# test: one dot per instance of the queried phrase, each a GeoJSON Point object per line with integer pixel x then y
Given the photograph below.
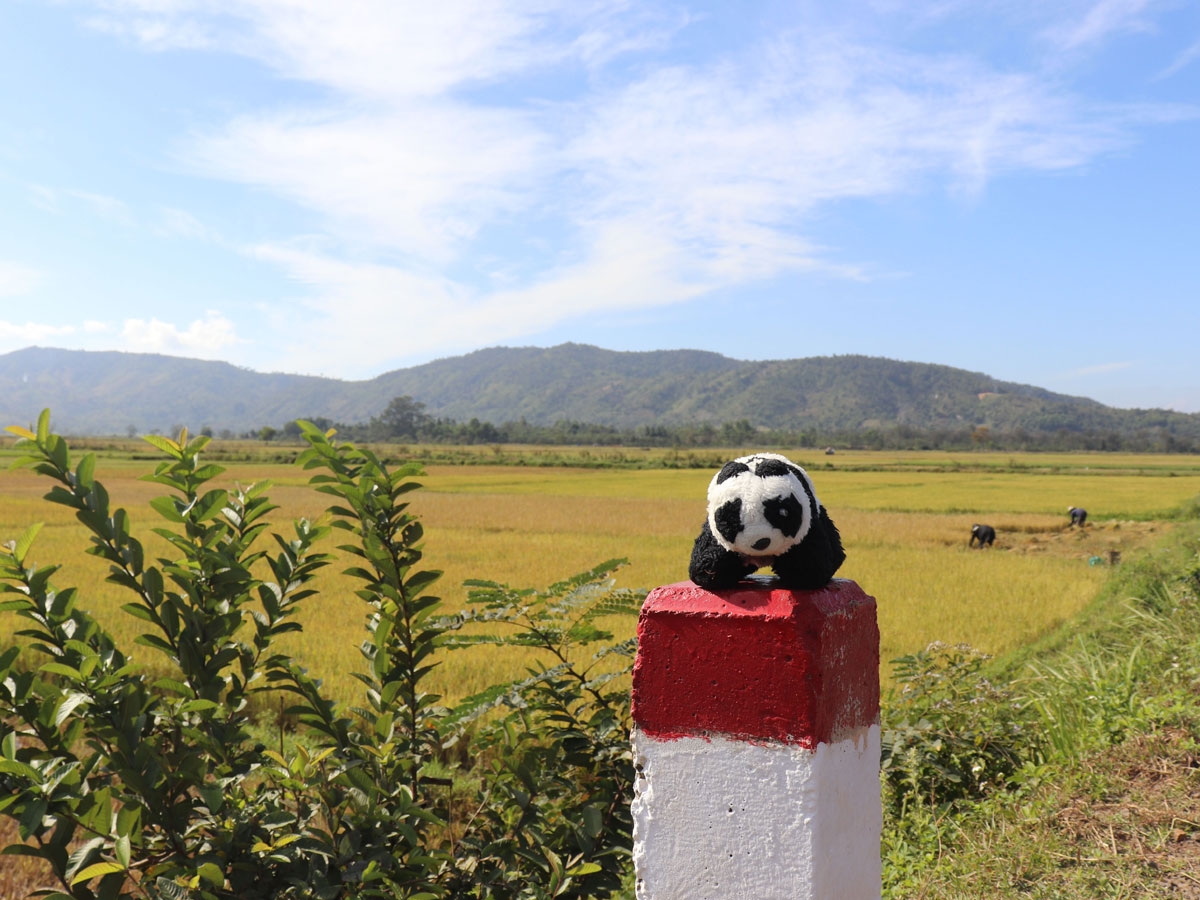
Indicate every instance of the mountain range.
{"type": "Point", "coordinates": [102, 393]}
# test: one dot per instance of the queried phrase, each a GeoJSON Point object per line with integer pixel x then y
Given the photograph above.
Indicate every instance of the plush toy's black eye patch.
{"type": "Point", "coordinates": [730, 469]}
{"type": "Point", "coordinates": [768, 467]}
{"type": "Point", "coordinates": [728, 519]}
{"type": "Point", "coordinates": [785, 513]}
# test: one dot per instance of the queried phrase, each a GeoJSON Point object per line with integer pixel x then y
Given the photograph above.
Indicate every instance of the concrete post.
{"type": "Point", "coordinates": [756, 741]}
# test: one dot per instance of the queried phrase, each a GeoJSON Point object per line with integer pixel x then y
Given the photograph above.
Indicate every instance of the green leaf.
{"type": "Point", "coordinates": [13, 767]}
{"type": "Point", "coordinates": [204, 473]}
{"type": "Point", "coordinates": [209, 505]}
{"type": "Point", "coordinates": [198, 706]}
{"type": "Point", "coordinates": [211, 873]}
{"type": "Point", "coordinates": [166, 445]}
{"type": "Point", "coordinates": [139, 612]}
{"type": "Point", "coordinates": [122, 850]}
{"type": "Point", "coordinates": [593, 823]}
{"type": "Point", "coordinates": [585, 868]}
{"type": "Point", "coordinates": [95, 870]}
{"type": "Point", "coordinates": [43, 426]}
{"type": "Point", "coordinates": [58, 452]}
{"type": "Point", "coordinates": [69, 703]}
{"type": "Point", "coordinates": [25, 541]}
{"type": "Point", "coordinates": [85, 472]}
{"type": "Point", "coordinates": [167, 507]}
{"type": "Point", "coordinates": [55, 668]}
{"type": "Point", "coordinates": [153, 640]}
{"type": "Point", "coordinates": [30, 820]}
{"type": "Point", "coordinates": [23, 850]}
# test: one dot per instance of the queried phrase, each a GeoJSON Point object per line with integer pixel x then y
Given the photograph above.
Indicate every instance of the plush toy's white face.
{"type": "Point", "coordinates": [761, 505]}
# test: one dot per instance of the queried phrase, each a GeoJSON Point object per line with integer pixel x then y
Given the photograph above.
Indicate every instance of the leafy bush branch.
{"type": "Point", "coordinates": [131, 780]}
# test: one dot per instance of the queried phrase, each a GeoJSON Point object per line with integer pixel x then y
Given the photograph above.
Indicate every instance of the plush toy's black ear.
{"type": "Point", "coordinates": [712, 566]}
{"type": "Point", "coordinates": [811, 563]}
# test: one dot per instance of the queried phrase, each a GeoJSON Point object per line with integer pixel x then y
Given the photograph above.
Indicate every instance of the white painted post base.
{"type": "Point", "coordinates": [756, 741]}
{"type": "Point", "coordinates": [719, 819]}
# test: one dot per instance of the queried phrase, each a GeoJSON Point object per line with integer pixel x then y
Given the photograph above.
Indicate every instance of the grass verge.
{"type": "Point", "coordinates": [1070, 770]}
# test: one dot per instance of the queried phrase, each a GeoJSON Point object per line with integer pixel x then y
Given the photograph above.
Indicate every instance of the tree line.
{"type": "Point", "coordinates": [405, 420]}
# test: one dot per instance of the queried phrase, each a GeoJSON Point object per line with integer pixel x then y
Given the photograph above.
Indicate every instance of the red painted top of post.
{"type": "Point", "coordinates": [757, 662]}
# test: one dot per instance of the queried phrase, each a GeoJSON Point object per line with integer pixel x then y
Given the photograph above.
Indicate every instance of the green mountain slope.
{"type": "Point", "coordinates": [108, 393]}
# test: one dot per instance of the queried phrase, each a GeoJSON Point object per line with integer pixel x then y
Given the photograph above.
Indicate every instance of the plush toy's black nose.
{"type": "Point", "coordinates": [761, 544]}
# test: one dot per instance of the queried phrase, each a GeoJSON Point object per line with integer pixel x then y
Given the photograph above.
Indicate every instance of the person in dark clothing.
{"type": "Point", "coordinates": [1078, 516]}
{"type": "Point", "coordinates": [985, 534]}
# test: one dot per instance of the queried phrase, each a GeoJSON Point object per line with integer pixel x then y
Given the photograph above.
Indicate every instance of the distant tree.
{"type": "Point", "coordinates": [206, 431]}
{"type": "Point", "coordinates": [267, 434]}
{"type": "Point", "coordinates": [131, 430]}
{"type": "Point", "coordinates": [402, 418]}
{"type": "Point", "coordinates": [476, 432]}
{"type": "Point", "coordinates": [737, 433]}
{"type": "Point", "coordinates": [292, 431]}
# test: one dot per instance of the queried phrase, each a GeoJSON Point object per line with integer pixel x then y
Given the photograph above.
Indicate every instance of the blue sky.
{"type": "Point", "coordinates": [1007, 186]}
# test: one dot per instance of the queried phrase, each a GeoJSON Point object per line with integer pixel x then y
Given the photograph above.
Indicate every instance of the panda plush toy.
{"type": "Point", "coordinates": [763, 511]}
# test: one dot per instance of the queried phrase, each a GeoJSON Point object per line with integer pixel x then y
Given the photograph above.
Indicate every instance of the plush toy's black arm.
{"type": "Point", "coordinates": [811, 563]}
{"type": "Point", "coordinates": [712, 566]}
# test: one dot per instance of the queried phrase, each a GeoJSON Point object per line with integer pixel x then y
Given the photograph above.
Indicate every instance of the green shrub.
{"type": "Point", "coordinates": [131, 784]}
{"type": "Point", "coordinates": [949, 732]}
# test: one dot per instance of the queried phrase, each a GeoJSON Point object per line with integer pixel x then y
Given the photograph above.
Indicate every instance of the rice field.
{"type": "Point", "coordinates": [904, 517]}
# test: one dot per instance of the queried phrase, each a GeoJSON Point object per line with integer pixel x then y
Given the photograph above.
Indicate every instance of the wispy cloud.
{"type": "Point", "coordinates": [17, 279]}
{"type": "Point", "coordinates": [448, 135]}
{"type": "Point", "coordinates": [1101, 369]}
{"type": "Point", "coordinates": [179, 223]}
{"type": "Point", "coordinates": [67, 200]}
{"type": "Point", "coordinates": [1100, 21]}
{"type": "Point", "coordinates": [1181, 62]}
{"type": "Point", "coordinates": [372, 313]}
{"type": "Point", "coordinates": [365, 48]}
{"type": "Point", "coordinates": [421, 178]}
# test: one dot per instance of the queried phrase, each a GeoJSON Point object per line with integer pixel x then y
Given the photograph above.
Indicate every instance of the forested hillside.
{"type": "Point", "coordinates": [118, 393]}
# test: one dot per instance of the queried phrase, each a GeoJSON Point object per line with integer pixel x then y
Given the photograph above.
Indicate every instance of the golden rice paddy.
{"type": "Point", "coordinates": [904, 519]}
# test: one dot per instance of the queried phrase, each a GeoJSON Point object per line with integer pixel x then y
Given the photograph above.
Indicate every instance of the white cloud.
{"type": "Point", "coordinates": [17, 279]}
{"type": "Point", "coordinates": [16, 334]}
{"type": "Point", "coordinates": [749, 151]}
{"type": "Point", "coordinates": [367, 48]}
{"type": "Point", "coordinates": [419, 179]}
{"type": "Point", "coordinates": [372, 315]}
{"type": "Point", "coordinates": [1101, 20]}
{"type": "Point", "coordinates": [202, 338]}
{"type": "Point", "coordinates": [730, 156]}
{"type": "Point", "coordinates": [63, 200]}
{"type": "Point", "coordinates": [179, 223]}
{"type": "Point", "coordinates": [447, 130]}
